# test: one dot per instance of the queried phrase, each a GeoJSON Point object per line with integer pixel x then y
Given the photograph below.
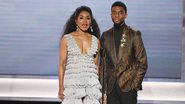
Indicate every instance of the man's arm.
{"type": "Point", "coordinates": [141, 59]}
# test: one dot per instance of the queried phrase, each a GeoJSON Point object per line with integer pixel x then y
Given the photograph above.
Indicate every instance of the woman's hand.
{"type": "Point", "coordinates": [60, 94]}
{"type": "Point", "coordinates": [104, 99]}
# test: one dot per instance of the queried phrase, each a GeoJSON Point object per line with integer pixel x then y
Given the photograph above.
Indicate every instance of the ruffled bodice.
{"type": "Point", "coordinates": [81, 78]}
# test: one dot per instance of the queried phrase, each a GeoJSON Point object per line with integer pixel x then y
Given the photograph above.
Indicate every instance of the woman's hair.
{"type": "Point", "coordinates": [71, 26]}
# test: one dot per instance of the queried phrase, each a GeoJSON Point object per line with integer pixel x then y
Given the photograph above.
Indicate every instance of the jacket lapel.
{"type": "Point", "coordinates": [113, 48]}
{"type": "Point", "coordinates": [122, 46]}
{"type": "Point", "coordinates": [122, 49]}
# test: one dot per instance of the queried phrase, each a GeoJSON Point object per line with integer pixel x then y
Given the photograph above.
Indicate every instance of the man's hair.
{"type": "Point", "coordinates": [121, 4]}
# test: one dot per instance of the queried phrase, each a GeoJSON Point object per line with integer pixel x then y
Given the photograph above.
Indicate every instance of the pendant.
{"type": "Point", "coordinates": [122, 45]}
{"type": "Point", "coordinates": [123, 40]}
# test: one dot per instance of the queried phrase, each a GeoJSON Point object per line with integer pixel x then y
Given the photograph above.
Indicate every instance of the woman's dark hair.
{"type": "Point", "coordinates": [71, 26]}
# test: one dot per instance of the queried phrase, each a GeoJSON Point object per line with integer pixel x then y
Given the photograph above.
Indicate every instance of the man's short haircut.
{"type": "Point", "coordinates": [121, 4]}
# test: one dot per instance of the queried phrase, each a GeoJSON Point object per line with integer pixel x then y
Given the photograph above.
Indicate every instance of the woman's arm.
{"type": "Point", "coordinates": [61, 67]}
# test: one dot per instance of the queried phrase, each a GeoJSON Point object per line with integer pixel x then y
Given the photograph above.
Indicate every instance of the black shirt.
{"type": "Point", "coordinates": [117, 32]}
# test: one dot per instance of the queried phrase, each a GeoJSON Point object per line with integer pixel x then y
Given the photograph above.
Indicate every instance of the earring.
{"type": "Point", "coordinates": [91, 29]}
{"type": "Point", "coordinates": [76, 27]}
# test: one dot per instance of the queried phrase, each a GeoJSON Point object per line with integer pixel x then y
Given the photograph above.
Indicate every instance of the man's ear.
{"type": "Point", "coordinates": [126, 15]}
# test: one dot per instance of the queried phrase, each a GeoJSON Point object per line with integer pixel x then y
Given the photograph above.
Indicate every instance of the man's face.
{"type": "Point", "coordinates": [118, 14]}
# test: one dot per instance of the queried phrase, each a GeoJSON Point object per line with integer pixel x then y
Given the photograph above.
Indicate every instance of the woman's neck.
{"type": "Point", "coordinates": [82, 33]}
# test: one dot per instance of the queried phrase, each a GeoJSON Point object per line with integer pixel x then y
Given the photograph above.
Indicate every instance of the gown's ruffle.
{"type": "Point", "coordinates": [84, 85]}
{"type": "Point", "coordinates": [86, 100]}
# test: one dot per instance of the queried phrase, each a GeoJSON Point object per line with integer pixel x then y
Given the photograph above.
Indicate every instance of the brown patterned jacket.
{"type": "Point", "coordinates": [128, 68]}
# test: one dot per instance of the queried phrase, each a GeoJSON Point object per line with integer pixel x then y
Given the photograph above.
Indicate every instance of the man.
{"type": "Point", "coordinates": [123, 59]}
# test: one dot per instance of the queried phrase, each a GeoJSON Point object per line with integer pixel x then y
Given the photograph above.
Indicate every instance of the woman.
{"type": "Point", "coordinates": [78, 64]}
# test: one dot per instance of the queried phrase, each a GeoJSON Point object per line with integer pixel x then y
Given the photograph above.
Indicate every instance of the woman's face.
{"type": "Point", "coordinates": [83, 21]}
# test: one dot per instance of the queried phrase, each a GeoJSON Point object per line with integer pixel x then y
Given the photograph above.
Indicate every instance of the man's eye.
{"type": "Point", "coordinates": [114, 13]}
{"type": "Point", "coordinates": [120, 12]}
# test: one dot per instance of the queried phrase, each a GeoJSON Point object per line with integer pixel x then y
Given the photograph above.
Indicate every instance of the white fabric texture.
{"type": "Point", "coordinates": [81, 84]}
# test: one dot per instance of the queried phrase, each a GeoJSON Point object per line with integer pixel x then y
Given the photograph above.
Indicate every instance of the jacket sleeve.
{"type": "Point", "coordinates": [102, 71]}
{"type": "Point", "coordinates": [141, 59]}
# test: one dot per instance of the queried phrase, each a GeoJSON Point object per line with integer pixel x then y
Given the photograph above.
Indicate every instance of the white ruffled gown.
{"type": "Point", "coordinates": [81, 84]}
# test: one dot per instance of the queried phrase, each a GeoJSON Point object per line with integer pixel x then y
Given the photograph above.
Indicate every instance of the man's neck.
{"type": "Point", "coordinates": [118, 26]}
